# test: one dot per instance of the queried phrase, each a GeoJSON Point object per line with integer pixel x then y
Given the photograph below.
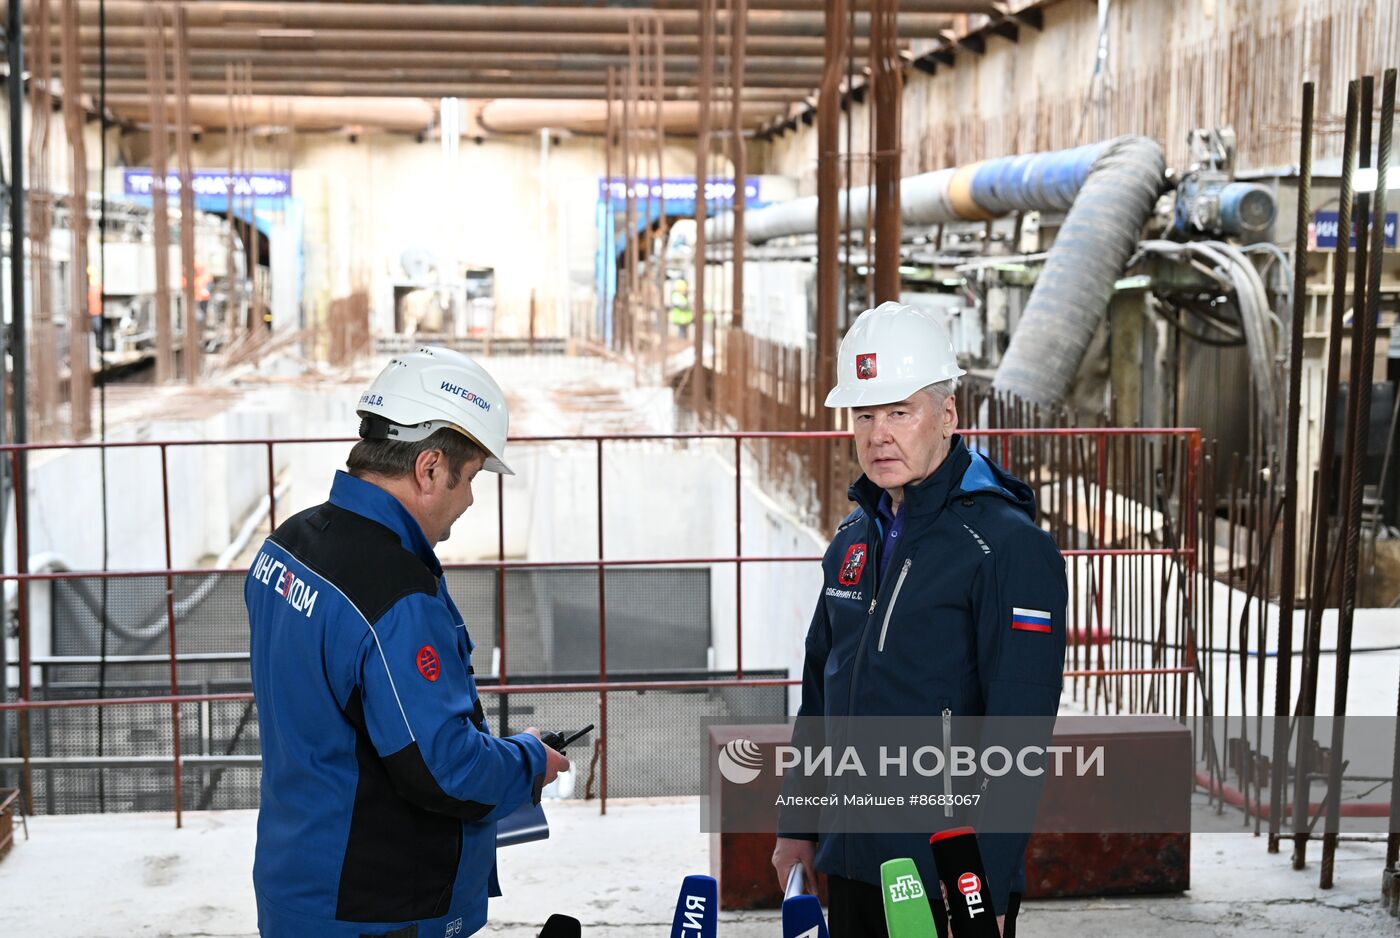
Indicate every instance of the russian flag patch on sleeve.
{"type": "Point", "coordinates": [1030, 620]}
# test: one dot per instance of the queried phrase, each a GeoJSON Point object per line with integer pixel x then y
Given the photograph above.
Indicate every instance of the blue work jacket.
{"type": "Point", "coordinates": [381, 781]}
{"type": "Point", "coordinates": [944, 633]}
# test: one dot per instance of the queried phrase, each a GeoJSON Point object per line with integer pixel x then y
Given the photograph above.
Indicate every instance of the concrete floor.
{"type": "Point", "coordinates": [123, 876]}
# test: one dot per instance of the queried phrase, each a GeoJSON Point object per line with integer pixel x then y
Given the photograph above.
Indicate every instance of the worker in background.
{"type": "Point", "coordinates": [926, 585]}
{"type": "Point", "coordinates": [203, 281]}
{"type": "Point", "coordinates": [94, 294]}
{"type": "Point", "coordinates": [381, 781]}
{"type": "Point", "coordinates": [682, 314]}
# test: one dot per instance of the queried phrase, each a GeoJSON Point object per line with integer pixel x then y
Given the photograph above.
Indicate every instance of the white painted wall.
{"type": "Point", "coordinates": [666, 500]}
{"type": "Point", "coordinates": [211, 490]}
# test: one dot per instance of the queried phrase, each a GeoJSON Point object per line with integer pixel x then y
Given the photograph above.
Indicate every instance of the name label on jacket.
{"type": "Point", "coordinates": [285, 583]}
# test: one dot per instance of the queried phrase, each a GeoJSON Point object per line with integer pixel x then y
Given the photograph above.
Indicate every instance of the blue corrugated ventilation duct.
{"type": "Point", "coordinates": [1108, 190]}
{"type": "Point", "coordinates": [1072, 292]}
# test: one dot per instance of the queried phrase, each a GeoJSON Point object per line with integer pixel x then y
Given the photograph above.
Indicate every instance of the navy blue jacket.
{"type": "Point", "coordinates": [381, 783]}
{"type": "Point", "coordinates": [935, 637]}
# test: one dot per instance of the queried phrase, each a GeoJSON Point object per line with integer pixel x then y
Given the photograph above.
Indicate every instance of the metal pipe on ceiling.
{"type": "Point", "coordinates": [497, 115]}
{"type": "Point", "coordinates": [210, 110]}
{"type": "Point", "coordinates": [218, 58]}
{"type": "Point", "coordinates": [910, 6]}
{"type": "Point", "coordinates": [384, 17]}
{"type": "Point", "coordinates": [356, 40]}
{"type": "Point", "coordinates": [861, 6]}
{"type": "Point", "coordinates": [453, 77]}
{"type": "Point", "coordinates": [335, 89]}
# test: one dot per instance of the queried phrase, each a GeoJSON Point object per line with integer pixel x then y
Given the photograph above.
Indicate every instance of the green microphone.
{"type": "Point", "coordinates": [907, 910]}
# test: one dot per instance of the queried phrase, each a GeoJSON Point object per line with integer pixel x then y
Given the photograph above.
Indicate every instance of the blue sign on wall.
{"type": "Point", "coordinates": [677, 191]}
{"type": "Point", "coordinates": [1325, 230]}
{"type": "Point", "coordinates": [212, 184]}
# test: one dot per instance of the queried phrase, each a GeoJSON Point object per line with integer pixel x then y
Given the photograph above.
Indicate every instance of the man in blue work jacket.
{"type": "Point", "coordinates": [381, 782]}
{"type": "Point", "coordinates": [942, 597]}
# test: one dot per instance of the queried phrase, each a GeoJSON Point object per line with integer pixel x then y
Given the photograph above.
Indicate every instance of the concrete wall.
{"type": "Point", "coordinates": [508, 203]}
{"type": "Point", "coordinates": [1173, 65]}
{"type": "Point", "coordinates": [220, 483]}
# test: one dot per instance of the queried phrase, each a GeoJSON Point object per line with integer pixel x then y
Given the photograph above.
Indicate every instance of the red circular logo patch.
{"type": "Point", "coordinates": [969, 883]}
{"type": "Point", "coordinates": [428, 663]}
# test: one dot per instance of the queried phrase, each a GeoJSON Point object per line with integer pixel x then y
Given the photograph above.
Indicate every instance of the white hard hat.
{"type": "Point", "coordinates": [421, 392]}
{"type": "Point", "coordinates": [890, 352]}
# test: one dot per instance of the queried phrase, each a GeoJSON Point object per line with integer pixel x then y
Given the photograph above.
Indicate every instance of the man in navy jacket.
{"type": "Point", "coordinates": [942, 598]}
{"type": "Point", "coordinates": [381, 781]}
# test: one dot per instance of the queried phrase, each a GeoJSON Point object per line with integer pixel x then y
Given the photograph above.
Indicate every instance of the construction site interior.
{"type": "Point", "coordinates": [653, 222]}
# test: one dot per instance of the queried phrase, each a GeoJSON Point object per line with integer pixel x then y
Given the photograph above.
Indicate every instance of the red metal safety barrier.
{"type": "Point", "coordinates": [1185, 552]}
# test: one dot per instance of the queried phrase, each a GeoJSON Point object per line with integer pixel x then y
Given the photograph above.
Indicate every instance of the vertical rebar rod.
{"type": "Point", "coordinates": [738, 554]}
{"type": "Point", "coordinates": [1358, 425]}
{"type": "Point", "coordinates": [79, 320]}
{"type": "Point", "coordinates": [1321, 541]}
{"type": "Point", "coordinates": [646, 320]}
{"type": "Point", "coordinates": [1190, 656]}
{"type": "Point", "coordinates": [26, 687]}
{"type": "Point", "coordinates": [738, 37]}
{"type": "Point", "coordinates": [503, 670]}
{"type": "Point", "coordinates": [170, 630]}
{"type": "Point", "coordinates": [155, 74]}
{"type": "Point", "coordinates": [704, 92]}
{"type": "Point", "coordinates": [44, 346]}
{"type": "Point", "coordinates": [663, 326]}
{"type": "Point", "coordinates": [608, 313]}
{"type": "Point", "coordinates": [501, 580]}
{"type": "Point", "coordinates": [254, 234]}
{"type": "Point", "coordinates": [1361, 226]}
{"type": "Point", "coordinates": [1288, 579]}
{"type": "Point", "coordinates": [1393, 839]}
{"type": "Point", "coordinates": [828, 239]}
{"type": "Point", "coordinates": [602, 646]}
{"type": "Point", "coordinates": [244, 206]}
{"type": "Point", "coordinates": [629, 173]}
{"type": "Point", "coordinates": [230, 278]}
{"type": "Point", "coordinates": [193, 329]}
{"type": "Point", "coordinates": [887, 75]}
{"type": "Point", "coordinates": [17, 342]}
{"type": "Point", "coordinates": [14, 42]}
{"type": "Point", "coordinates": [1208, 518]}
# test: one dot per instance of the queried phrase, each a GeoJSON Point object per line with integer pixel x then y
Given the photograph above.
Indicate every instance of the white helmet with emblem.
{"type": "Point", "coordinates": [430, 388]}
{"type": "Point", "coordinates": [889, 353]}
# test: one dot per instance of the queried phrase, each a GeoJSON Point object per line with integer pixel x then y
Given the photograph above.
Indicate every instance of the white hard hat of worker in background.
{"type": "Point", "coordinates": [428, 389]}
{"type": "Point", "coordinates": [889, 353]}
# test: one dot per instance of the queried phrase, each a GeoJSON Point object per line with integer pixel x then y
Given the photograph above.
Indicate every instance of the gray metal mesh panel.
{"type": "Point", "coordinates": [658, 625]}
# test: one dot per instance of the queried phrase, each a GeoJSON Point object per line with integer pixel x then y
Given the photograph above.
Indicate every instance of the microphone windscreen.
{"type": "Point", "coordinates": [561, 926]}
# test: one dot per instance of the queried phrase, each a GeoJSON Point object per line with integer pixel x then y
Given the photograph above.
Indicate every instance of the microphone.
{"type": "Point", "coordinates": [802, 914]}
{"type": "Point", "coordinates": [697, 908]}
{"type": "Point", "coordinates": [908, 908]}
{"type": "Point", "coordinates": [560, 926]}
{"type": "Point", "coordinates": [959, 862]}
